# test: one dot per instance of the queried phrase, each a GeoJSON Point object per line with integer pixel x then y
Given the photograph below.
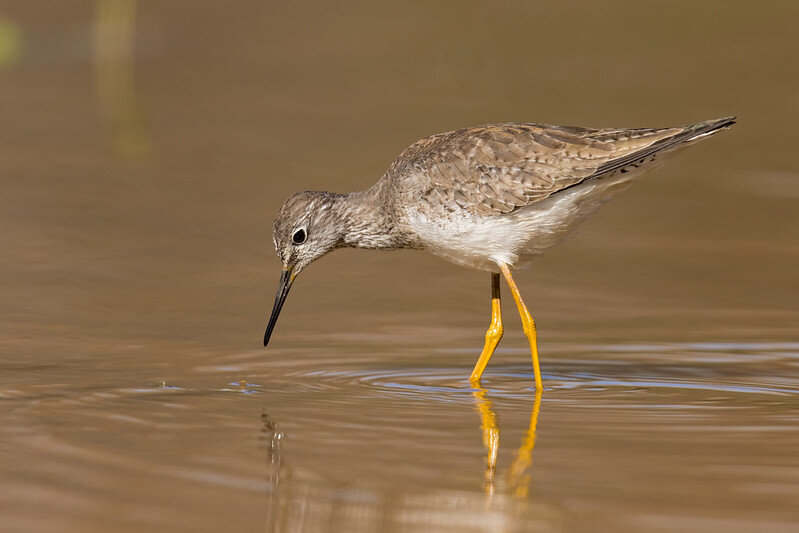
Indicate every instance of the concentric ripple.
{"type": "Point", "coordinates": [683, 372]}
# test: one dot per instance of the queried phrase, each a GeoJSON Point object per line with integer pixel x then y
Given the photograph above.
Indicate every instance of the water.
{"type": "Point", "coordinates": [140, 179]}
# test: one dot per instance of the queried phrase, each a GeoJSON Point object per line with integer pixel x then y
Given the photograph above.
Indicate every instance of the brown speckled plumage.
{"type": "Point", "coordinates": [497, 169]}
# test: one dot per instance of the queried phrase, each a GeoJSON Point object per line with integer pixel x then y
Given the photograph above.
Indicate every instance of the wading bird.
{"type": "Point", "coordinates": [490, 198]}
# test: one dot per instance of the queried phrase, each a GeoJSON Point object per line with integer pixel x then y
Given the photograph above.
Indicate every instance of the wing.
{"type": "Point", "coordinates": [500, 168]}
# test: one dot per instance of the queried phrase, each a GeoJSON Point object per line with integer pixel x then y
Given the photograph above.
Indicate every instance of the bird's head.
{"type": "Point", "coordinates": [306, 228]}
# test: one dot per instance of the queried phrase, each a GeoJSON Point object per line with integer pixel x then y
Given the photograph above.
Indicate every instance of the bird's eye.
{"type": "Point", "coordinates": [299, 236]}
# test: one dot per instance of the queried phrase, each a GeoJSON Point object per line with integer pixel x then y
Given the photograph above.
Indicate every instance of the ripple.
{"type": "Point", "coordinates": [448, 385]}
{"type": "Point", "coordinates": [688, 369]}
{"type": "Point", "coordinates": [675, 375]}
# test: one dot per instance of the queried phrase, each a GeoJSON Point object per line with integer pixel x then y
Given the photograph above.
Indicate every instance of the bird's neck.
{"type": "Point", "coordinates": [369, 219]}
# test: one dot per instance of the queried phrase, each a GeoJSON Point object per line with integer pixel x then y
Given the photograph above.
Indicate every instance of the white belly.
{"type": "Point", "coordinates": [481, 242]}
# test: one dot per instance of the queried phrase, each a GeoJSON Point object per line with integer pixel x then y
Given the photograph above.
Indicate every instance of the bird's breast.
{"type": "Point", "coordinates": [469, 240]}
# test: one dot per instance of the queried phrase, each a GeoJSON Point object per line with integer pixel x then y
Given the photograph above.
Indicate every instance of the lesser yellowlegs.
{"type": "Point", "coordinates": [490, 198]}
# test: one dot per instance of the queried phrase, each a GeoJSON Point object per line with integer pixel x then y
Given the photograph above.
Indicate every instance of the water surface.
{"type": "Point", "coordinates": [145, 148]}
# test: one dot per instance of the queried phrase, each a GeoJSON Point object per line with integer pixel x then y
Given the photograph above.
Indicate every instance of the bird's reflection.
{"type": "Point", "coordinates": [518, 477]}
{"type": "Point", "coordinates": [271, 439]}
{"type": "Point", "coordinates": [294, 504]}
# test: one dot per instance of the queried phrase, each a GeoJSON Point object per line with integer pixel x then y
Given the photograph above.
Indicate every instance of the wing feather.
{"type": "Point", "coordinates": [497, 169]}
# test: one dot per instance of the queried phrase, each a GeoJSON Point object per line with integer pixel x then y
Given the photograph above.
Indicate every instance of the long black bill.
{"type": "Point", "coordinates": [286, 279]}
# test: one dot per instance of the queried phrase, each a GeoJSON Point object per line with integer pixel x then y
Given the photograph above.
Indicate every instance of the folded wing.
{"type": "Point", "coordinates": [497, 169]}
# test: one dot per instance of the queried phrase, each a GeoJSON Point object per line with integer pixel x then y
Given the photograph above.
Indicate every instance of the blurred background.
{"type": "Point", "coordinates": [145, 148]}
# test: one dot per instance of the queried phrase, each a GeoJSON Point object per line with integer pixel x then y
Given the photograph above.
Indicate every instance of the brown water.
{"type": "Point", "coordinates": [145, 148]}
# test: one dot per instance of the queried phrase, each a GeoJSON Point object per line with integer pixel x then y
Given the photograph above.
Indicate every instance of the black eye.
{"type": "Point", "coordinates": [299, 236]}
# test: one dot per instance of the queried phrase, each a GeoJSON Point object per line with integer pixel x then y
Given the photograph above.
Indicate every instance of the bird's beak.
{"type": "Point", "coordinates": [286, 279]}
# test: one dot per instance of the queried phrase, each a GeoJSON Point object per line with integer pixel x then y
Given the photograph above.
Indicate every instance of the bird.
{"type": "Point", "coordinates": [490, 197]}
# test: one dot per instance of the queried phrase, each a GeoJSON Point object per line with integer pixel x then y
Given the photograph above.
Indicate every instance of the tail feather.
{"type": "Point", "coordinates": [686, 135]}
{"type": "Point", "coordinates": [709, 127]}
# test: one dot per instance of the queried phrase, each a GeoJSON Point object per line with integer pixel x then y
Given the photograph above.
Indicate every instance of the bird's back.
{"type": "Point", "coordinates": [493, 185]}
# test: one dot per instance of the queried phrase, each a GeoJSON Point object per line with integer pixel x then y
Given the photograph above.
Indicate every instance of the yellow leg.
{"type": "Point", "coordinates": [494, 333]}
{"type": "Point", "coordinates": [527, 323]}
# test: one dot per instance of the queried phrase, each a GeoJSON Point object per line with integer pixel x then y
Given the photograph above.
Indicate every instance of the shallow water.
{"type": "Point", "coordinates": [140, 179]}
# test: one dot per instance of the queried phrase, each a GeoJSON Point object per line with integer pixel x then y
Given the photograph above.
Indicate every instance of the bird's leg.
{"type": "Point", "coordinates": [494, 333]}
{"type": "Point", "coordinates": [527, 323]}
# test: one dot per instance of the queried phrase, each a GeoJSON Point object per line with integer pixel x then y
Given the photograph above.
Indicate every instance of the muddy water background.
{"type": "Point", "coordinates": [144, 149]}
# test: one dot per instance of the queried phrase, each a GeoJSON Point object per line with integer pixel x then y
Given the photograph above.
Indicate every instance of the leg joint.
{"type": "Point", "coordinates": [495, 331]}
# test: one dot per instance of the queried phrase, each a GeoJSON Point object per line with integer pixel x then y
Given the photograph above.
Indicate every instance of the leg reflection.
{"type": "Point", "coordinates": [490, 430]}
{"type": "Point", "coordinates": [518, 477]}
